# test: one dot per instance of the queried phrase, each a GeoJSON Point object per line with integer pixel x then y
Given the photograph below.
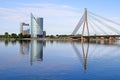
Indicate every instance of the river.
{"type": "Point", "coordinates": [59, 60]}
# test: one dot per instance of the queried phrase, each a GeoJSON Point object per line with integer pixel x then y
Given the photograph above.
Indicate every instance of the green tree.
{"type": "Point", "coordinates": [20, 35]}
{"type": "Point", "coordinates": [1, 36]}
{"type": "Point", "coordinates": [6, 35]}
{"type": "Point", "coordinates": [6, 42]}
{"type": "Point", "coordinates": [51, 36]}
{"type": "Point", "coordinates": [26, 36]}
{"type": "Point", "coordinates": [13, 35]}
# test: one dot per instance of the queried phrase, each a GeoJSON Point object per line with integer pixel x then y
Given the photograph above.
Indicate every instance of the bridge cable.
{"type": "Point", "coordinates": [106, 25]}
{"type": "Point", "coordinates": [91, 25]}
{"type": "Point", "coordinates": [110, 27]}
{"type": "Point", "coordinates": [97, 27]}
{"type": "Point", "coordinates": [104, 18]}
{"type": "Point", "coordinates": [78, 25]}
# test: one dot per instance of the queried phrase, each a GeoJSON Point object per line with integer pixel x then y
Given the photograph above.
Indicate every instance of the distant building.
{"type": "Point", "coordinates": [44, 34]}
{"type": "Point", "coordinates": [26, 31]}
{"type": "Point", "coordinates": [21, 27]}
{"type": "Point", "coordinates": [36, 27]}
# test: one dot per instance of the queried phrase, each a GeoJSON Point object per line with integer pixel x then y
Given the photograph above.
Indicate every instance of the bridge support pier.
{"type": "Point", "coordinates": [83, 39]}
{"type": "Point", "coordinates": [102, 38]}
{"type": "Point", "coordinates": [111, 38]}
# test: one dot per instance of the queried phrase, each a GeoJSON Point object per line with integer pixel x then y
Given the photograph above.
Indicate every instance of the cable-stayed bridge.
{"type": "Point", "coordinates": [94, 26]}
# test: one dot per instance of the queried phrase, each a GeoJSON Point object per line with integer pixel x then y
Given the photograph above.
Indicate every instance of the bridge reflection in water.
{"type": "Point", "coordinates": [83, 56]}
{"type": "Point", "coordinates": [86, 51]}
{"type": "Point", "coordinates": [83, 50]}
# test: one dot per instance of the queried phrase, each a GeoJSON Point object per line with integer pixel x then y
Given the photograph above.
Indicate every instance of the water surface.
{"type": "Point", "coordinates": [59, 60]}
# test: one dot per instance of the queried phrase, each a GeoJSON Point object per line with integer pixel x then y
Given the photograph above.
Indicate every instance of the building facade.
{"type": "Point", "coordinates": [36, 27]}
{"type": "Point", "coordinates": [22, 27]}
{"type": "Point", "coordinates": [25, 32]}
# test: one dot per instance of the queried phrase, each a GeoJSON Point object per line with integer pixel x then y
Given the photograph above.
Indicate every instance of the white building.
{"type": "Point", "coordinates": [36, 27]}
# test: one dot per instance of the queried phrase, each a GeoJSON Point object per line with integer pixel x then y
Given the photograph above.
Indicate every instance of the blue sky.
{"type": "Point", "coordinates": [60, 16]}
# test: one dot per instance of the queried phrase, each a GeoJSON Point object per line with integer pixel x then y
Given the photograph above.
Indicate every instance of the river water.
{"type": "Point", "coordinates": [59, 60]}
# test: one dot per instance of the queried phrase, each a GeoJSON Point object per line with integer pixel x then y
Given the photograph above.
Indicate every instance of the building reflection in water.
{"type": "Point", "coordinates": [36, 51]}
{"type": "Point", "coordinates": [84, 55]}
{"type": "Point", "coordinates": [24, 47]}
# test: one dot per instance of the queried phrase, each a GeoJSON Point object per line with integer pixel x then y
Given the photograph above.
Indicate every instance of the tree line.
{"type": "Point", "coordinates": [14, 35]}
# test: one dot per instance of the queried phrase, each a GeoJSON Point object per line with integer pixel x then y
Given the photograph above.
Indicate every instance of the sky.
{"type": "Point", "coordinates": [60, 16]}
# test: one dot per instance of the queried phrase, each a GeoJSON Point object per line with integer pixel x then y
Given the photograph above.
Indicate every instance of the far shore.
{"type": "Point", "coordinates": [64, 39]}
{"type": "Point", "coordinates": [54, 39]}
{"type": "Point", "coordinates": [68, 39]}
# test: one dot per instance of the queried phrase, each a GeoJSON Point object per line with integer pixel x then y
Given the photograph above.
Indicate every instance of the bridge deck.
{"type": "Point", "coordinates": [94, 36]}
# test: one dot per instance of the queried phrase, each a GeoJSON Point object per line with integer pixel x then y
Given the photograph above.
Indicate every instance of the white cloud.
{"type": "Point", "coordinates": [50, 6]}
{"type": "Point", "coordinates": [41, 9]}
{"type": "Point", "coordinates": [50, 12]}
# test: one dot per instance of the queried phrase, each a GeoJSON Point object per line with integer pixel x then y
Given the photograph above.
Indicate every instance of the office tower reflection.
{"type": "Point", "coordinates": [44, 43]}
{"type": "Point", "coordinates": [36, 51]}
{"type": "Point", "coordinates": [24, 48]}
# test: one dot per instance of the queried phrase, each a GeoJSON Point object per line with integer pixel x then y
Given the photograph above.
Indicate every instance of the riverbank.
{"type": "Point", "coordinates": [55, 39]}
{"type": "Point", "coordinates": [66, 39]}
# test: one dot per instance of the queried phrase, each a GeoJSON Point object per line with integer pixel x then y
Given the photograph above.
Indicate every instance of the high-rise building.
{"type": "Point", "coordinates": [36, 27]}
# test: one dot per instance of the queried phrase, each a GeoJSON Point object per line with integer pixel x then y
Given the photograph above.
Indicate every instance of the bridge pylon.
{"type": "Point", "coordinates": [85, 24]}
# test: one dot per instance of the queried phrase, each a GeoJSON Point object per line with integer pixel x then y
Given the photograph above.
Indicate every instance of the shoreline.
{"type": "Point", "coordinates": [64, 39]}
{"type": "Point", "coordinates": [53, 39]}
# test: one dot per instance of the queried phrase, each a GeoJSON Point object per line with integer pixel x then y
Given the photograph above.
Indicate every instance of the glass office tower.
{"type": "Point", "coordinates": [36, 27]}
